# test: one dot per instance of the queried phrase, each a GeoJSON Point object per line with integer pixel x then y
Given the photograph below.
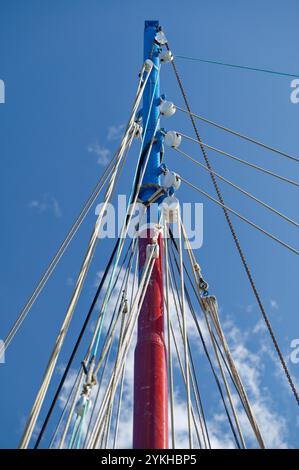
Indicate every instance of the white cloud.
{"type": "Point", "coordinates": [102, 153]}
{"type": "Point", "coordinates": [260, 326]}
{"type": "Point", "coordinates": [251, 368]}
{"type": "Point", "coordinates": [274, 304]}
{"type": "Point", "coordinates": [249, 308]}
{"type": "Point", "coordinates": [47, 203]}
{"type": "Point", "coordinates": [115, 132]}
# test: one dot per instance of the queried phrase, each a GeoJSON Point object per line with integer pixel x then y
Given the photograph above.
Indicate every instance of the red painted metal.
{"type": "Point", "coordinates": [150, 367]}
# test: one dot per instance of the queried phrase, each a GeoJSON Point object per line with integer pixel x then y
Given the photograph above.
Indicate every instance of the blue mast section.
{"type": "Point", "coordinates": [151, 50]}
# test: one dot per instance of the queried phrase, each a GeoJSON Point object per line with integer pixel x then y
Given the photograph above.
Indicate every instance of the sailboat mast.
{"type": "Point", "coordinates": [150, 426]}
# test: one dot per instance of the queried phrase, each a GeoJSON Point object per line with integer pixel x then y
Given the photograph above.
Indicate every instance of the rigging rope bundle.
{"type": "Point", "coordinates": [243, 191]}
{"type": "Point", "coordinates": [92, 415]}
{"type": "Point", "coordinates": [84, 268]}
{"type": "Point", "coordinates": [236, 240]}
{"type": "Point", "coordinates": [238, 134]}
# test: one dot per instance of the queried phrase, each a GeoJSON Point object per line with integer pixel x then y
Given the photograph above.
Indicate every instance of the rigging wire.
{"type": "Point", "coordinates": [204, 346]}
{"type": "Point", "coordinates": [238, 134]}
{"type": "Point", "coordinates": [80, 335]}
{"type": "Point", "coordinates": [45, 277]}
{"type": "Point", "coordinates": [87, 356]}
{"type": "Point", "coordinates": [176, 301]}
{"type": "Point", "coordinates": [242, 394]}
{"type": "Point", "coordinates": [188, 297]}
{"type": "Point", "coordinates": [84, 211]}
{"type": "Point", "coordinates": [141, 155]}
{"type": "Point", "coordinates": [62, 414]}
{"type": "Point", "coordinates": [76, 346]}
{"type": "Point", "coordinates": [81, 278]}
{"type": "Point", "coordinates": [240, 160]}
{"type": "Point", "coordinates": [233, 373]}
{"type": "Point", "coordinates": [244, 67]}
{"type": "Point", "coordinates": [131, 206]}
{"type": "Point", "coordinates": [119, 305]}
{"type": "Point", "coordinates": [135, 280]}
{"type": "Point", "coordinates": [97, 423]}
{"type": "Point", "coordinates": [131, 322]}
{"type": "Point", "coordinates": [236, 240]}
{"type": "Point", "coordinates": [169, 350]}
{"type": "Point", "coordinates": [109, 347]}
{"type": "Point", "coordinates": [259, 201]}
{"type": "Point", "coordinates": [185, 335]}
{"type": "Point", "coordinates": [209, 307]}
{"type": "Point", "coordinates": [273, 237]}
{"type": "Point", "coordinates": [184, 380]}
{"type": "Point", "coordinates": [122, 309]}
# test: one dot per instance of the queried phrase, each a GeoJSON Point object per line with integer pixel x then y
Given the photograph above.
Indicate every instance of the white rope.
{"type": "Point", "coordinates": [135, 279]}
{"type": "Point", "coordinates": [65, 325]}
{"type": "Point", "coordinates": [112, 329]}
{"type": "Point", "coordinates": [41, 284]}
{"type": "Point", "coordinates": [65, 409]}
{"type": "Point", "coordinates": [212, 310]}
{"type": "Point", "coordinates": [213, 344]}
{"type": "Point", "coordinates": [215, 318]}
{"type": "Point", "coordinates": [226, 385]}
{"type": "Point", "coordinates": [121, 333]}
{"type": "Point", "coordinates": [238, 134]}
{"type": "Point", "coordinates": [129, 331]}
{"type": "Point", "coordinates": [71, 411]}
{"type": "Point", "coordinates": [119, 405]}
{"type": "Point", "coordinates": [131, 322]}
{"type": "Point", "coordinates": [79, 284]}
{"type": "Point", "coordinates": [240, 160]}
{"type": "Point", "coordinates": [184, 380]}
{"type": "Point", "coordinates": [249, 222]}
{"type": "Point", "coordinates": [176, 303]}
{"type": "Point", "coordinates": [71, 233]}
{"type": "Point", "coordinates": [259, 201]}
{"type": "Point", "coordinates": [170, 371]}
{"type": "Point", "coordinates": [129, 215]}
{"type": "Point", "coordinates": [111, 401]}
{"type": "Point", "coordinates": [186, 353]}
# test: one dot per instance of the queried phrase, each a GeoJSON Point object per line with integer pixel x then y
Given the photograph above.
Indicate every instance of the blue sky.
{"type": "Point", "coordinates": [70, 72]}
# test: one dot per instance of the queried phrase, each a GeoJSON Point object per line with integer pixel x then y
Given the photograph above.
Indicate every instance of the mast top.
{"type": "Point", "coordinates": [151, 23]}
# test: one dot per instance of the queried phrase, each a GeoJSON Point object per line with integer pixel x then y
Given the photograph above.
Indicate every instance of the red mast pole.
{"type": "Point", "coordinates": [150, 425]}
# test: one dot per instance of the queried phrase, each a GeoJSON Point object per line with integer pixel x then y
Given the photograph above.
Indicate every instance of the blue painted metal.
{"type": "Point", "coordinates": [152, 170]}
{"type": "Point", "coordinates": [150, 421]}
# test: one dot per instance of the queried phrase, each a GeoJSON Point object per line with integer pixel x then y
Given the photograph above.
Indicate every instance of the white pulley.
{"type": "Point", "coordinates": [138, 129]}
{"type": "Point", "coordinates": [153, 250]}
{"type": "Point", "coordinates": [170, 179]}
{"type": "Point", "coordinates": [171, 209]}
{"type": "Point", "coordinates": [167, 108]}
{"type": "Point", "coordinates": [166, 57]}
{"type": "Point", "coordinates": [172, 139]}
{"type": "Point", "coordinates": [160, 38]}
{"type": "Point", "coordinates": [148, 65]}
{"type": "Point", "coordinates": [82, 404]}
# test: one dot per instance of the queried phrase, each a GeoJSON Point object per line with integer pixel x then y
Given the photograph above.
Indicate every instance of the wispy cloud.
{"type": "Point", "coordinates": [115, 132]}
{"type": "Point", "coordinates": [47, 203]}
{"type": "Point", "coordinates": [274, 304]}
{"type": "Point", "coordinates": [70, 282]}
{"type": "Point", "coordinates": [251, 368]}
{"type": "Point", "coordinates": [102, 153]}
